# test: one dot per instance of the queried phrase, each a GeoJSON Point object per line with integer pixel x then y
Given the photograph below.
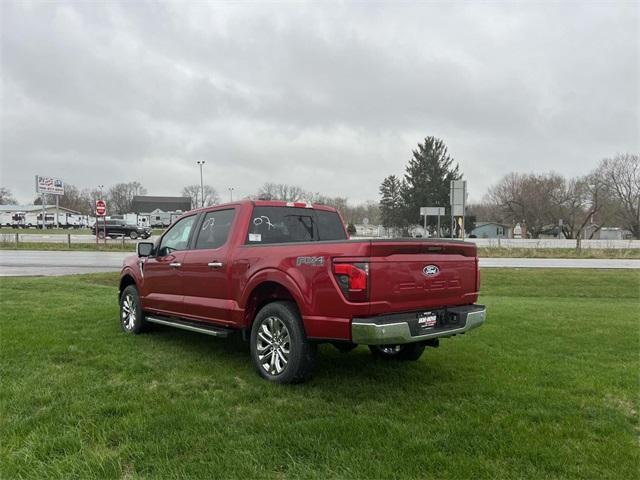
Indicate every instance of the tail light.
{"type": "Point", "coordinates": [353, 279]}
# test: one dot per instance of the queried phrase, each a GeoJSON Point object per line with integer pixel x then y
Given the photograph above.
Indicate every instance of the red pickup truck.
{"type": "Point", "coordinates": [287, 276]}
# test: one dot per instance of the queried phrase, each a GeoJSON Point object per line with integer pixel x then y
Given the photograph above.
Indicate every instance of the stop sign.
{"type": "Point", "coordinates": [101, 208]}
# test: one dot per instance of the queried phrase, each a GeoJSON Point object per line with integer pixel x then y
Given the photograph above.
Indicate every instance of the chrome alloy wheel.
{"type": "Point", "coordinates": [128, 312]}
{"type": "Point", "coordinates": [273, 345]}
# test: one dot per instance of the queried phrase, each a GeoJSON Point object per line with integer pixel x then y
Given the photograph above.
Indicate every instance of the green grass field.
{"type": "Point", "coordinates": [547, 388]}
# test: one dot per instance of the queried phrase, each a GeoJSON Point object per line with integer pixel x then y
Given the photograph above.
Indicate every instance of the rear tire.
{"type": "Point", "coordinates": [101, 235]}
{"type": "Point", "coordinates": [131, 315]}
{"type": "Point", "coordinates": [280, 350]}
{"type": "Point", "coordinates": [407, 352]}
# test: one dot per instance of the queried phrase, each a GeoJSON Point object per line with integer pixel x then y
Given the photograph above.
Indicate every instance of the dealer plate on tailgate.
{"type": "Point", "coordinates": [427, 320]}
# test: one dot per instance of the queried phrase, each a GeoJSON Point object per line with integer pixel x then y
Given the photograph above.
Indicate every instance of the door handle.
{"type": "Point", "coordinates": [215, 264]}
{"type": "Point", "coordinates": [175, 265]}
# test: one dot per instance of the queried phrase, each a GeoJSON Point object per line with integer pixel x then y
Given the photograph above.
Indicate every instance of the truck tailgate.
{"type": "Point", "coordinates": [421, 275]}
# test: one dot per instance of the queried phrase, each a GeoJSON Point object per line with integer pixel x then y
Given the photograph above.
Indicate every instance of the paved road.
{"type": "Point", "coordinates": [31, 262]}
{"type": "Point", "coordinates": [558, 263]}
{"type": "Point", "coordinates": [27, 262]}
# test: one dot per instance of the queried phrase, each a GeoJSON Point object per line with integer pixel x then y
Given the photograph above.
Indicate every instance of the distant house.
{"type": "Point", "coordinates": [491, 230]}
{"type": "Point", "coordinates": [607, 233]}
{"type": "Point", "coordinates": [147, 204]}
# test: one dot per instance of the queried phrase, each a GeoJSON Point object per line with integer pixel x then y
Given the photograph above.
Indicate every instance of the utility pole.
{"type": "Point", "coordinates": [231, 194]}
{"type": "Point", "coordinates": [201, 163]}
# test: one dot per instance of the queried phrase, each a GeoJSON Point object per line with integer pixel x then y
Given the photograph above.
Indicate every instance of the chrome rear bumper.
{"type": "Point", "coordinates": [400, 328]}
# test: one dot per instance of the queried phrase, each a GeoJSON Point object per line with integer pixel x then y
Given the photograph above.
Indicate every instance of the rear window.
{"type": "Point", "coordinates": [289, 224]}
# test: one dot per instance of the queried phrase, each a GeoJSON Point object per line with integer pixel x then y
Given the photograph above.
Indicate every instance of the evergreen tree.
{"type": "Point", "coordinates": [391, 206]}
{"type": "Point", "coordinates": [427, 179]}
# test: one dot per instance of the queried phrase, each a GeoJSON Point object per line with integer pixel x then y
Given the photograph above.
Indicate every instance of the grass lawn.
{"type": "Point", "coordinates": [547, 388]}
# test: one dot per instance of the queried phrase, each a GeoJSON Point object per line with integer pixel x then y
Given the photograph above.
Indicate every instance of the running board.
{"type": "Point", "coordinates": [191, 326]}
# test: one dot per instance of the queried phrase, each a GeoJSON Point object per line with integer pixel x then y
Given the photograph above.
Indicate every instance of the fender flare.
{"type": "Point", "coordinates": [276, 276]}
{"type": "Point", "coordinates": [130, 272]}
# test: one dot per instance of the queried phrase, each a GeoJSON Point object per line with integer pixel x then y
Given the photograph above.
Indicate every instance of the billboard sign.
{"type": "Point", "coordinates": [51, 185]}
{"type": "Point", "coordinates": [432, 211]}
{"type": "Point", "coordinates": [458, 192]}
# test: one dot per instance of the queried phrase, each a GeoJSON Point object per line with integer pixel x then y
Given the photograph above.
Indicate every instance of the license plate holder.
{"type": "Point", "coordinates": [427, 320]}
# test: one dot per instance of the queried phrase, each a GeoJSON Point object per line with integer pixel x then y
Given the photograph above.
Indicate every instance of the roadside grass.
{"type": "Point", "coordinates": [7, 243]}
{"type": "Point", "coordinates": [111, 246]}
{"type": "Point", "coordinates": [495, 252]}
{"type": "Point", "coordinates": [547, 388]}
{"type": "Point", "coordinates": [58, 231]}
{"type": "Point", "coordinates": [46, 231]}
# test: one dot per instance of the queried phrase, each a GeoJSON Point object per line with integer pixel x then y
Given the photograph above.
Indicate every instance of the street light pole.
{"type": "Point", "coordinates": [201, 163]}
{"type": "Point", "coordinates": [231, 194]}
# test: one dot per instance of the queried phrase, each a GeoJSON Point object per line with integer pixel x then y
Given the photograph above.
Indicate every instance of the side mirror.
{"type": "Point", "coordinates": [145, 249]}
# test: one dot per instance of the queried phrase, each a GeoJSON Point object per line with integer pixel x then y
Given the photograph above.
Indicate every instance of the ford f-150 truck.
{"type": "Point", "coordinates": [287, 277]}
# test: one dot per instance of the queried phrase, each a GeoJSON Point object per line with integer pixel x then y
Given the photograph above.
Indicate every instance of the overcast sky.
{"type": "Point", "coordinates": [330, 96]}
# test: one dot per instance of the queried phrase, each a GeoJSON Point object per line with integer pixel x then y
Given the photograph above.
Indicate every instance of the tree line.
{"type": "Point", "coordinates": [608, 196]}
{"type": "Point", "coordinates": [580, 206]}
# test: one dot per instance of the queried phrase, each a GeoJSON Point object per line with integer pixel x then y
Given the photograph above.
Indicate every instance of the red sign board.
{"type": "Point", "coordinates": [101, 208]}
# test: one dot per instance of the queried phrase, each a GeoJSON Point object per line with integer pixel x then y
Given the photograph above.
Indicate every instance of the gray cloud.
{"type": "Point", "coordinates": [331, 96]}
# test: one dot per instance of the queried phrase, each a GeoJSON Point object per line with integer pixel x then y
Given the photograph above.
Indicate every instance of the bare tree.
{"type": "Point", "coordinates": [282, 191]}
{"type": "Point", "coordinates": [74, 199]}
{"type": "Point", "coordinates": [121, 196]}
{"type": "Point", "coordinates": [529, 198]}
{"type": "Point", "coordinates": [620, 180]}
{"type": "Point", "coordinates": [6, 198]}
{"type": "Point", "coordinates": [211, 196]}
{"type": "Point", "coordinates": [486, 211]}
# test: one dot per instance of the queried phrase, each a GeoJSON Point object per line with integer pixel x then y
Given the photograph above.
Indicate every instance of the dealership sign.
{"type": "Point", "coordinates": [51, 185]}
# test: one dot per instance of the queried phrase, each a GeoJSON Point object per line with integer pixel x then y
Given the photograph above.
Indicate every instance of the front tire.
{"type": "Point", "coordinates": [407, 352]}
{"type": "Point", "coordinates": [131, 316]}
{"type": "Point", "coordinates": [279, 348]}
{"type": "Point", "coordinates": [133, 235]}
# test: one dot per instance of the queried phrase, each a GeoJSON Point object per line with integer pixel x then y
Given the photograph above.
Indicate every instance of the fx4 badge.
{"type": "Point", "coordinates": [312, 261]}
{"type": "Point", "coordinates": [431, 270]}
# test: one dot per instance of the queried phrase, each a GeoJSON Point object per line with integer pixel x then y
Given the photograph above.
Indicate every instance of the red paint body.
{"type": "Point", "coordinates": [253, 275]}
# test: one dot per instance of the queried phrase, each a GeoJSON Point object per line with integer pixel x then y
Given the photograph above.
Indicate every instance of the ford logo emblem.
{"type": "Point", "coordinates": [431, 270]}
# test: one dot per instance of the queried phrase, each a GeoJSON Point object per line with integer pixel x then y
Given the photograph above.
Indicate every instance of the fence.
{"type": "Point", "coordinates": [69, 239]}
{"type": "Point", "coordinates": [65, 239]}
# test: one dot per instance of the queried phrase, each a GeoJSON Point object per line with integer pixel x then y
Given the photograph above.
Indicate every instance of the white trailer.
{"type": "Point", "coordinates": [160, 219]}
{"type": "Point", "coordinates": [144, 221]}
{"type": "Point", "coordinates": [6, 219]}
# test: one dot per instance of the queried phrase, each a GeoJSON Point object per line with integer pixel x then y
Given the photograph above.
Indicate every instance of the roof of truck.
{"type": "Point", "coordinates": [269, 203]}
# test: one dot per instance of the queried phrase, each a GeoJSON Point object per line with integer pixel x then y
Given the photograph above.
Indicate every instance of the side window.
{"type": "Point", "coordinates": [177, 237]}
{"type": "Point", "coordinates": [282, 225]}
{"type": "Point", "coordinates": [330, 226]}
{"type": "Point", "coordinates": [215, 229]}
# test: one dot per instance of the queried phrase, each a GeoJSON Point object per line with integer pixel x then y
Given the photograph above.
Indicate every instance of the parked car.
{"type": "Point", "coordinates": [287, 277]}
{"type": "Point", "coordinates": [119, 228]}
